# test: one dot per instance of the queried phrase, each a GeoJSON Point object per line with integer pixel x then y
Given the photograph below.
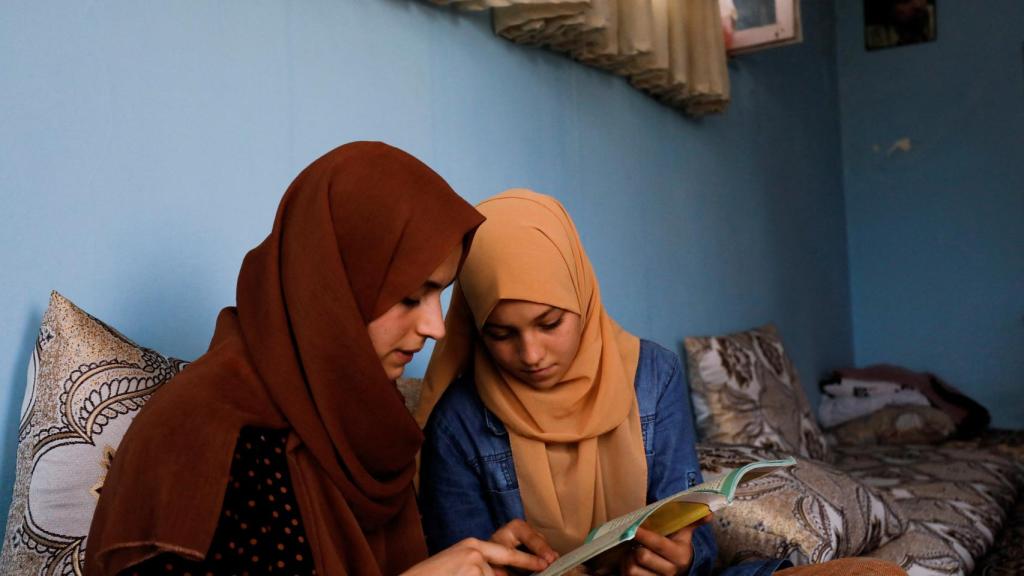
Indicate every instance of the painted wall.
{"type": "Point", "coordinates": [936, 223]}
{"type": "Point", "coordinates": [144, 148]}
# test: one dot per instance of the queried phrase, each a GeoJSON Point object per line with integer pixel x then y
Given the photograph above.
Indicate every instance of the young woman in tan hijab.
{"type": "Point", "coordinates": [542, 408]}
{"type": "Point", "coordinates": [287, 448]}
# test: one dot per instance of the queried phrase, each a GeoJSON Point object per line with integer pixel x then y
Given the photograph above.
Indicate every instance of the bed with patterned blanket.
{"type": "Point", "coordinates": [953, 509]}
{"type": "Point", "coordinates": [940, 508]}
{"type": "Point", "coordinates": [1006, 556]}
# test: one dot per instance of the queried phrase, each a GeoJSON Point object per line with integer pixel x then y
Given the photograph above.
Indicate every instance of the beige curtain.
{"type": "Point", "coordinates": [485, 4]}
{"type": "Point", "coordinates": [672, 49]}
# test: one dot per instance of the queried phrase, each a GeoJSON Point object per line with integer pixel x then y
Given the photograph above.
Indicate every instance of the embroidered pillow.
{"type": "Point", "coordinates": [86, 382]}
{"type": "Point", "coordinates": [745, 391]}
{"type": "Point", "coordinates": [807, 513]}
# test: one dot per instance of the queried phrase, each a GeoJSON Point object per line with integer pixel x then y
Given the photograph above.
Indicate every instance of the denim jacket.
{"type": "Point", "coordinates": [468, 482]}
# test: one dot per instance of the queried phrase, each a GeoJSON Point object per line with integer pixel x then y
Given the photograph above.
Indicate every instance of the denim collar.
{"type": "Point", "coordinates": [494, 424]}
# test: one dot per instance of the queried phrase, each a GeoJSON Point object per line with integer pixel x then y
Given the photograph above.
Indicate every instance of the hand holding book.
{"type": "Point", "coordinates": [608, 545]}
{"type": "Point", "coordinates": [518, 535]}
{"type": "Point", "coordinates": [658, 554]}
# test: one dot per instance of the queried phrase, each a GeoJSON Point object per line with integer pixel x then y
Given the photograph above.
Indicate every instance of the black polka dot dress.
{"type": "Point", "coordinates": [260, 530]}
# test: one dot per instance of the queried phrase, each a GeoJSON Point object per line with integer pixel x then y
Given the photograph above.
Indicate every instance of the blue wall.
{"type": "Point", "coordinates": [936, 232]}
{"type": "Point", "coordinates": [144, 148]}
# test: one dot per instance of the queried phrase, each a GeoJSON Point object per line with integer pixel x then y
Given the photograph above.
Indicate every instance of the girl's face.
{"type": "Point", "coordinates": [398, 334]}
{"type": "Point", "coordinates": [536, 343]}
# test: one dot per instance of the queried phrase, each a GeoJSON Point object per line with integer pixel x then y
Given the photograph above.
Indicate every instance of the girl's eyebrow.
{"type": "Point", "coordinates": [546, 313]}
{"type": "Point", "coordinates": [493, 326]}
{"type": "Point", "coordinates": [433, 285]}
{"type": "Point", "coordinates": [536, 318]}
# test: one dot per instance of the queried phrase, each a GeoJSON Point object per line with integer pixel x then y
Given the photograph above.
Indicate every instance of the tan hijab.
{"type": "Point", "coordinates": [358, 230]}
{"type": "Point", "coordinates": [578, 447]}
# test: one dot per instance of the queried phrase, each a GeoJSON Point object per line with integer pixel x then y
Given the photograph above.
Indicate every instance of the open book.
{"type": "Point", "coordinates": [608, 543]}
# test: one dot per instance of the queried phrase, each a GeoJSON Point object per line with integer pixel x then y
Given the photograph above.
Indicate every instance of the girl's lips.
{"type": "Point", "coordinates": [406, 355]}
{"type": "Point", "coordinates": [540, 373]}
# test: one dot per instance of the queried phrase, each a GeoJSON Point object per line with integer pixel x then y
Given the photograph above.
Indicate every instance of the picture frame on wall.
{"type": "Point", "coordinates": [892, 23]}
{"type": "Point", "coordinates": [751, 25]}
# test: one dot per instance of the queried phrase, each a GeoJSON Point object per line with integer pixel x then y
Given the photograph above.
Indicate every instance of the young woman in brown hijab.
{"type": "Point", "coordinates": [287, 448]}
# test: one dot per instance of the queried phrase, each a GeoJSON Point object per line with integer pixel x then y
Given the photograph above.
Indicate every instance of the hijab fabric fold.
{"type": "Point", "coordinates": [578, 446]}
{"type": "Point", "coordinates": [358, 230]}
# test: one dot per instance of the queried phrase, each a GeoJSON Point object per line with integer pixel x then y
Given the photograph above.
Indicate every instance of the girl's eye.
{"type": "Point", "coordinates": [410, 302]}
{"type": "Point", "coordinates": [498, 336]}
{"type": "Point", "coordinates": [552, 325]}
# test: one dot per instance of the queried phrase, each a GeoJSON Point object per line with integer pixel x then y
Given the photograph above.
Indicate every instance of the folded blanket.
{"type": "Point", "coordinates": [970, 417]}
{"type": "Point", "coordinates": [860, 388]}
{"type": "Point", "coordinates": [834, 411]}
{"type": "Point", "coordinates": [896, 425]}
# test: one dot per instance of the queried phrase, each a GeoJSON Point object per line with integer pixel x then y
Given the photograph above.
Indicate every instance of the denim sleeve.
{"type": "Point", "coordinates": [675, 459]}
{"type": "Point", "coordinates": [676, 464]}
{"type": "Point", "coordinates": [452, 499]}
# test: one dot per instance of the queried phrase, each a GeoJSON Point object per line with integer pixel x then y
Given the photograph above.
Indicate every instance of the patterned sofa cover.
{"type": "Point", "coordinates": [953, 509]}
{"type": "Point", "coordinates": [962, 501]}
{"type": "Point", "coordinates": [939, 509]}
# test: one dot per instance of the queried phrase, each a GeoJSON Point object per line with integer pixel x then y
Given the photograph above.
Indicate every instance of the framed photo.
{"type": "Point", "coordinates": [756, 24]}
{"type": "Point", "coordinates": [891, 23]}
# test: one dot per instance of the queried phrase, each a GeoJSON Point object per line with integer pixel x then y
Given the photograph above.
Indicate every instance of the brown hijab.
{"type": "Point", "coordinates": [357, 230]}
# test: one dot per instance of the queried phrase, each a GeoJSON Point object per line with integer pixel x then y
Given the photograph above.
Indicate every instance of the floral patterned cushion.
{"type": "Point", "coordinates": [809, 513]}
{"type": "Point", "coordinates": [745, 391]}
{"type": "Point", "coordinates": [86, 382]}
{"type": "Point", "coordinates": [955, 499]}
